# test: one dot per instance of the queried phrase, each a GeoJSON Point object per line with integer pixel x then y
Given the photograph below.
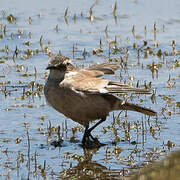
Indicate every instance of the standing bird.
{"type": "Point", "coordinates": [84, 97]}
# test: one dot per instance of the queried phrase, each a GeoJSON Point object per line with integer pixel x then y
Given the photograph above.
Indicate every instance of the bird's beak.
{"type": "Point", "coordinates": [47, 68]}
{"type": "Point", "coordinates": [50, 67]}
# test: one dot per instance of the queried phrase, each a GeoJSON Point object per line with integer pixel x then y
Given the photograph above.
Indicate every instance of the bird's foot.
{"type": "Point", "coordinates": [89, 142]}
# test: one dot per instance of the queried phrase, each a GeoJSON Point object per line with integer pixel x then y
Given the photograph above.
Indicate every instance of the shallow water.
{"type": "Point", "coordinates": [133, 140]}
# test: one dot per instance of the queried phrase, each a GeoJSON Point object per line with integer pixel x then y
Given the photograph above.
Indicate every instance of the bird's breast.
{"type": "Point", "coordinates": [77, 105]}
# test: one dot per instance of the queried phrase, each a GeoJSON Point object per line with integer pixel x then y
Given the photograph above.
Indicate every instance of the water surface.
{"type": "Point", "coordinates": [132, 140]}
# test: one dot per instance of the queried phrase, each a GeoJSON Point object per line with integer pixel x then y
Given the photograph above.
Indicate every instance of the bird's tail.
{"type": "Point", "coordinates": [118, 104]}
{"type": "Point", "coordinates": [137, 108]}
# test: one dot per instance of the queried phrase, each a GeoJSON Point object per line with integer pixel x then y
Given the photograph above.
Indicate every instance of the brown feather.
{"type": "Point", "coordinates": [104, 67]}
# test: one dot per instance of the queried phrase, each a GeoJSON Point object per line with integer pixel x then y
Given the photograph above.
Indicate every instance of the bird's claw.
{"type": "Point", "coordinates": [89, 142]}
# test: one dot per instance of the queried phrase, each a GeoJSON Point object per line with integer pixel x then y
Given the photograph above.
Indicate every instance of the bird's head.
{"type": "Point", "coordinates": [61, 63]}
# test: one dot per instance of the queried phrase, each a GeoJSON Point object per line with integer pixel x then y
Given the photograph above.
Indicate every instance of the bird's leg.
{"type": "Point", "coordinates": [87, 134]}
{"type": "Point", "coordinates": [97, 124]}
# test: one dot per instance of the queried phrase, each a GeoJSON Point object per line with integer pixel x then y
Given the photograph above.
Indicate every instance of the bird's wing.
{"type": "Point", "coordinates": [116, 87]}
{"type": "Point", "coordinates": [105, 68]}
{"type": "Point", "coordinates": [82, 82]}
{"type": "Point", "coordinates": [98, 70]}
{"type": "Point", "coordinates": [91, 73]}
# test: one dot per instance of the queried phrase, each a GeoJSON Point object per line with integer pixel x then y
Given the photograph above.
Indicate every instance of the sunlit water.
{"type": "Point", "coordinates": [131, 141]}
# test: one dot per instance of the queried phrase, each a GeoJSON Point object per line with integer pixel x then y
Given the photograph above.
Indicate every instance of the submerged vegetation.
{"type": "Point", "coordinates": [37, 142]}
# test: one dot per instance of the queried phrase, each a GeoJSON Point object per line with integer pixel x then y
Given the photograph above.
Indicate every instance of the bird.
{"type": "Point", "coordinates": [84, 96]}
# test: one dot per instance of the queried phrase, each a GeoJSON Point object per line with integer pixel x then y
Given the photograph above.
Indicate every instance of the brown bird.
{"type": "Point", "coordinates": [84, 97]}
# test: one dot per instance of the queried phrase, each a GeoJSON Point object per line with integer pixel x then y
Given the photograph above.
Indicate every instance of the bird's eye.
{"type": "Point", "coordinates": [68, 63]}
{"type": "Point", "coordinates": [59, 66]}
